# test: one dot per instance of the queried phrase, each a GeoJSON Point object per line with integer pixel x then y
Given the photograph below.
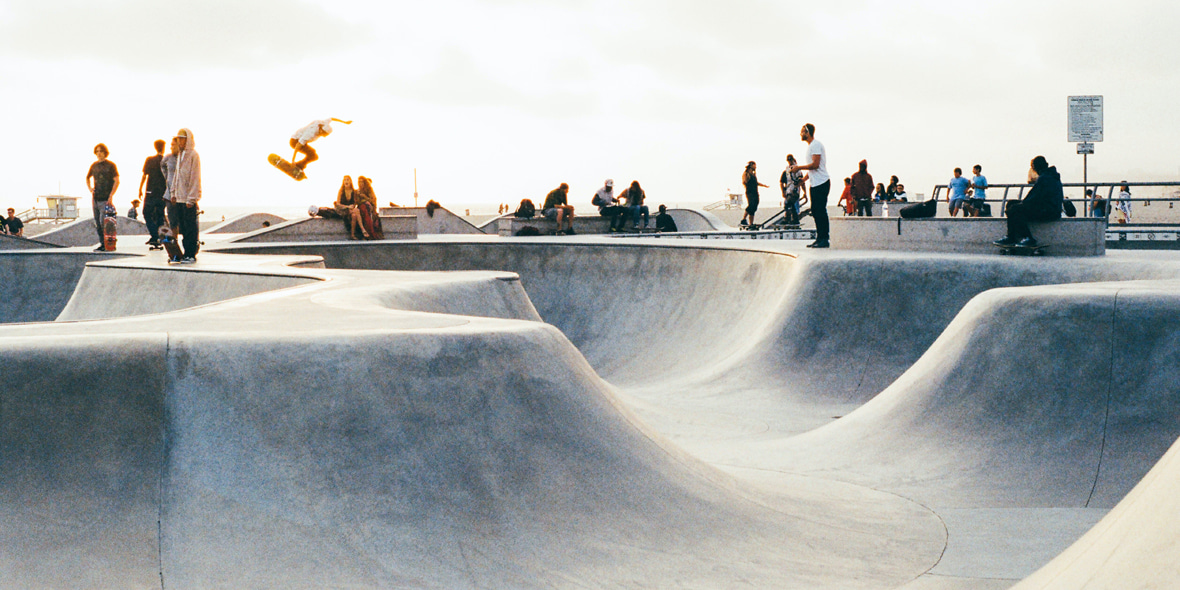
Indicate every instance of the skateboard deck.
{"type": "Point", "coordinates": [1023, 250]}
{"type": "Point", "coordinates": [288, 168]}
{"type": "Point", "coordinates": [109, 233]}
{"type": "Point", "coordinates": [168, 240]}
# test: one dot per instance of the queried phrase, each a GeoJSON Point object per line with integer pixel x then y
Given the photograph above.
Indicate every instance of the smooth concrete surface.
{"type": "Point", "coordinates": [38, 284]}
{"type": "Point", "coordinates": [246, 222]}
{"type": "Point", "coordinates": [625, 414]}
{"type": "Point", "coordinates": [81, 232]}
{"type": "Point", "coordinates": [9, 242]}
{"type": "Point", "coordinates": [443, 221]}
{"type": "Point", "coordinates": [1081, 236]}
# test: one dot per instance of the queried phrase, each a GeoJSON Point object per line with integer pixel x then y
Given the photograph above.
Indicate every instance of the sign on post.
{"type": "Point", "coordinates": [1085, 148]}
{"type": "Point", "coordinates": [1085, 119]}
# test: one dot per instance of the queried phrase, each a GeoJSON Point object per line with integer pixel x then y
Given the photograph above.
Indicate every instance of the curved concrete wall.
{"type": "Point", "coordinates": [637, 312]}
{"type": "Point", "coordinates": [38, 284]}
{"type": "Point", "coordinates": [82, 233]}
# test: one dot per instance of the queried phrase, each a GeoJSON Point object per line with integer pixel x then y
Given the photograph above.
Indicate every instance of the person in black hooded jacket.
{"type": "Point", "coordinates": [1043, 203]}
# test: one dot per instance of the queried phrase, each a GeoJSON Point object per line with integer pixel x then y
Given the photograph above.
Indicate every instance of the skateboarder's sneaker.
{"type": "Point", "coordinates": [569, 232]}
{"type": "Point", "coordinates": [100, 249]}
{"type": "Point", "coordinates": [188, 260]}
{"type": "Point", "coordinates": [1029, 242]}
{"type": "Point", "coordinates": [744, 222]}
{"type": "Point", "coordinates": [1005, 242]}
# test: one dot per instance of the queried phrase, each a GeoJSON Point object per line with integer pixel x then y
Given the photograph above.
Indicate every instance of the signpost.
{"type": "Point", "coordinates": [1085, 127]}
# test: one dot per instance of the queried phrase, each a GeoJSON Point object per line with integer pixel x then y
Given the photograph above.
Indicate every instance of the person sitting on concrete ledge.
{"type": "Point", "coordinates": [1043, 203]}
{"type": "Point", "coordinates": [634, 196]}
{"type": "Point", "coordinates": [900, 196]}
{"type": "Point", "coordinates": [664, 222]}
{"type": "Point", "coordinates": [557, 207]}
{"type": "Point", "coordinates": [608, 206]}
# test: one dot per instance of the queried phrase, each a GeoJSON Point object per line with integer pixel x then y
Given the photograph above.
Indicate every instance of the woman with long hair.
{"type": "Point", "coordinates": [750, 180]}
{"type": "Point", "coordinates": [346, 206]}
{"type": "Point", "coordinates": [367, 211]}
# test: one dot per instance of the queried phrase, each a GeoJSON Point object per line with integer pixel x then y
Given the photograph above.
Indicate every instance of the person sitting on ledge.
{"type": "Point", "coordinates": [1043, 203]}
{"type": "Point", "coordinates": [664, 222]}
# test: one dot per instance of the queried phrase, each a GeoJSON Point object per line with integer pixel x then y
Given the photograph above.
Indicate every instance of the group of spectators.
{"type": "Point", "coordinates": [623, 209]}
{"type": "Point", "coordinates": [170, 187]}
{"type": "Point", "coordinates": [860, 193]}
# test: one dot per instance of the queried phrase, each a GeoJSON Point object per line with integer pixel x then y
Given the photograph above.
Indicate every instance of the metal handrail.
{"type": "Point", "coordinates": [1095, 186]}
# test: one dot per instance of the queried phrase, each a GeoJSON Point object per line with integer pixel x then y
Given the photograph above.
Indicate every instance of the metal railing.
{"type": "Point", "coordinates": [1111, 190]}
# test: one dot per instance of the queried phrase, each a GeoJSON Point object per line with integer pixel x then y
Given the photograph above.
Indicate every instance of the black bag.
{"type": "Point", "coordinates": [923, 209]}
{"type": "Point", "coordinates": [1068, 207]}
{"type": "Point", "coordinates": [985, 210]}
{"type": "Point", "coordinates": [526, 210]}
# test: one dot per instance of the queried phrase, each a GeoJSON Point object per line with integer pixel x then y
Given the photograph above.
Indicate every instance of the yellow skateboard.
{"type": "Point", "coordinates": [288, 168]}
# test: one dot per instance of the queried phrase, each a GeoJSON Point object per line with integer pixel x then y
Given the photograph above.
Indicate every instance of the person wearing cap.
{"type": "Point", "coordinates": [102, 180]}
{"type": "Point", "coordinates": [185, 190]}
{"type": "Point", "coordinates": [301, 140]}
{"type": "Point", "coordinates": [608, 205]}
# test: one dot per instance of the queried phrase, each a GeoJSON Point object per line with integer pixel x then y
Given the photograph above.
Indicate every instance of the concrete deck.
{"type": "Point", "coordinates": [588, 413]}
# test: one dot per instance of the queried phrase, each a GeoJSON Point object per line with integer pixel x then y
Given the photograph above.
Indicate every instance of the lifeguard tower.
{"type": "Point", "coordinates": [731, 201]}
{"type": "Point", "coordinates": [57, 209]}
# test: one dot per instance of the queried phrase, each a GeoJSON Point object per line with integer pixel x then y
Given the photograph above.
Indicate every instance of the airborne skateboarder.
{"type": "Point", "coordinates": [312, 131]}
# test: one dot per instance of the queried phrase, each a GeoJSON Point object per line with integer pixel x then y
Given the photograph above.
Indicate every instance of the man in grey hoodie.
{"type": "Point", "coordinates": [185, 190]}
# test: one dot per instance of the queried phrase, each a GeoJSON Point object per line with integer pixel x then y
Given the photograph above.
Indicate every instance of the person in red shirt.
{"type": "Point", "coordinates": [846, 201]}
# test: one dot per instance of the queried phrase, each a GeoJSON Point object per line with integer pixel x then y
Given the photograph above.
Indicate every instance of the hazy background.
{"type": "Point", "coordinates": [496, 100]}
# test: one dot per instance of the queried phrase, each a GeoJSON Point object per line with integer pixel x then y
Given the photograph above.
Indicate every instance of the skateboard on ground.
{"type": "Point", "coordinates": [109, 230]}
{"type": "Point", "coordinates": [168, 240]}
{"type": "Point", "coordinates": [1023, 250]}
{"type": "Point", "coordinates": [288, 168]}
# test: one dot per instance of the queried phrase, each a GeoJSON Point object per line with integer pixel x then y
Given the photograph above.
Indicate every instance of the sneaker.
{"type": "Point", "coordinates": [569, 232]}
{"type": "Point", "coordinates": [1029, 242]}
{"type": "Point", "coordinates": [100, 249]}
{"type": "Point", "coordinates": [1005, 242]}
{"type": "Point", "coordinates": [188, 260]}
{"type": "Point", "coordinates": [744, 222]}
{"type": "Point", "coordinates": [174, 260]}
{"type": "Point", "coordinates": [819, 244]}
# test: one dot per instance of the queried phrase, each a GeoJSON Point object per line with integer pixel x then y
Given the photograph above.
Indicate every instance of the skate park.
{"type": "Point", "coordinates": [588, 412]}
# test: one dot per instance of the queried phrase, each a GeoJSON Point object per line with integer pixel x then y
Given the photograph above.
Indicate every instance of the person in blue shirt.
{"type": "Point", "coordinates": [978, 192]}
{"type": "Point", "coordinates": [957, 191]}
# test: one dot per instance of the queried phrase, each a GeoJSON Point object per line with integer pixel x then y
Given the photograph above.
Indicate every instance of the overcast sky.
{"type": "Point", "coordinates": [497, 100]}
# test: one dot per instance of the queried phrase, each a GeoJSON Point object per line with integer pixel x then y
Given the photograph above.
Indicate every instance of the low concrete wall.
{"type": "Point", "coordinates": [508, 226]}
{"type": "Point", "coordinates": [971, 235]}
{"type": "Point", "coordinates": [318, 229]}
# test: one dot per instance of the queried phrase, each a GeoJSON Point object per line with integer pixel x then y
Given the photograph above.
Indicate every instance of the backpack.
{"type": "Point", "coordinates": [1069, 208]}
{"type": "Point", "coordinates": [526, 210]}
{"type": "Point", "coordinates": [923, 209]}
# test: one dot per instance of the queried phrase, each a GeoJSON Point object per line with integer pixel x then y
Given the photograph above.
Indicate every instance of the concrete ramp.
{"type": "Point", "coordinates": [8, 242]}
{"type": "Point", "coordinates": [442, 222]}
{"type": "Point", "coordinates": [38, 284]}
{"type": "Point", "coordinates": [1041, 396]}
{"type": "Point", "coordinates": [1133, 547]}
{"type": "Point", "coordinates": [694, 220]}
{"type": "Point", "coordinates": [81, 232]}
{"type": "Point", "coordinates": [376, 448]}
{"type": "Point", "coordinates": [246, 222]}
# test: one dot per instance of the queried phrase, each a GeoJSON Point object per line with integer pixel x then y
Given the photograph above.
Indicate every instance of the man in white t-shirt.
{"type": "Point", "coordinates": [816, 162]}
{"type": "Point", "coordinates": [301, 139]}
